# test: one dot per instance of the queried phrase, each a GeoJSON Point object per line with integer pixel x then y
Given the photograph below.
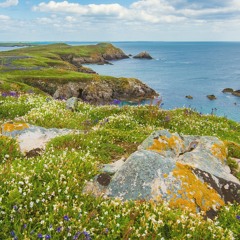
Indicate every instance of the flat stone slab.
{"type": "Point", "coordinates": [32, 137]}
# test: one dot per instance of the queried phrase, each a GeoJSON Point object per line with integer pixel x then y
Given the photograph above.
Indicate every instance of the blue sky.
{"type": "Point", "coordinates": [113, 20]}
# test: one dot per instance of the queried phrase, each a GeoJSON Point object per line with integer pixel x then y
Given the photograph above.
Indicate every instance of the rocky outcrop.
{"type": "Point", "coordinates": [72, 103]}
{"type": "Point", "coordinates": [211, 97]}
{"type": "Point", "coordinates": [29, 137]}
{"type": "Point", "coordinates": [104, 52]}
{"type": "Point", "coordinates": [186, 171]}
{"type": "Point", "coordinates": [143, 55]}
{"type": "Point", "coordinates": [233, 92]}
{"type": "Point", "coordinates": [86, 70]}
{"type": "Point", "coordinates": [236, 93]}
{"type": "Point", "coordinates": [105, 91]}
{"type": "Point", "coordinates": [227, 90]}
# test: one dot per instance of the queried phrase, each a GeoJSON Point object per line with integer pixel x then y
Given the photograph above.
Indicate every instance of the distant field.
{"type": "Point", "coordinates": [17, 44]}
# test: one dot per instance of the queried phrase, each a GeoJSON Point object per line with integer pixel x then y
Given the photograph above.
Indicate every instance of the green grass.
{"type": "Point", "coordinates": [43, 195]}
{"type": "Point", "coordinates": [39, 66]}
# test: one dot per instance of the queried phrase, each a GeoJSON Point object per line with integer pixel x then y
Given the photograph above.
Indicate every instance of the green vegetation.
{"type": "Point", "coordinates": [17, 44]}
{"type": "Point", "coordinates": [41, 197]}
{"type": "Point", "coordinates": [43, 68]}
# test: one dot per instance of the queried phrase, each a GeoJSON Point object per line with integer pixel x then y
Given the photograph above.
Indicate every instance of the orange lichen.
{"type": "Point", "coordinates": [158, 146]}
{"type": "Point", "coordinates": [165, 175]}
{"type": "Point", "coordinates": [164, 143]}
{"type": "Point", "coordinates": [219, 151]}
{"type": "Point", "coordinates": [9, 127]}
{"type": "Point", "coordinates": [194, 193]}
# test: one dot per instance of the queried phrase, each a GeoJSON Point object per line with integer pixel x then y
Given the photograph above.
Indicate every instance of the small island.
{"type": "Point", "coordinates": [143, 55]}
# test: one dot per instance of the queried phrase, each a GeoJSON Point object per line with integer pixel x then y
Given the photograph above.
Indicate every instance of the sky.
{"type": "Point", "coordinates": [113, 20]}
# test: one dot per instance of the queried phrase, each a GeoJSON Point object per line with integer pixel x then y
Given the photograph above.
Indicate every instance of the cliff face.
{"type": "Point", "coordinates": [106, 91]}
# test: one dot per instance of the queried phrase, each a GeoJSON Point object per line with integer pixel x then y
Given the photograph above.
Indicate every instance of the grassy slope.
{"type": "Point", "coordinates": [45, 63]}
{"type": "Point", "coordinates": [43, 195]}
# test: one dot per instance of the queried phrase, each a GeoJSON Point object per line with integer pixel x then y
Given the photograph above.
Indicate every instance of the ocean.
{"type": "Point", "coordinates": [184, 68]}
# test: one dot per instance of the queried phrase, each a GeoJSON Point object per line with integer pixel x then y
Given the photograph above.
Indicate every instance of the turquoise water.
{"type": "Point", "coordinates": [185, 68]}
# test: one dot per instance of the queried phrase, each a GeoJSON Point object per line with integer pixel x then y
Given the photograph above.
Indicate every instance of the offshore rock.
{"type": "Point", "coordinates": [143, 55]}
{"type": "Point", "coordinates": [227, 90]}
{"type": "Point", "coordinates": [186, 171]}
{"type": "Point", "coordinates": [236, 93]}
{"type": "Point", "coordinates": [211, 97]}
{"type": "Point", "coordinates": [31, 137]}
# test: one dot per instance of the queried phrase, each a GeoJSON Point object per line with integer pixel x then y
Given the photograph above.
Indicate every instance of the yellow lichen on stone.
{"type": "Point", "coordinates": [164, 143]}
{"type": "Point", "coordinates": [10, 127]}
{"type": "Point", "coordinates": [219, 151]}
{"type": "Point", "coordinates": [194, 193]}
{"type": "Point", "coordinates": [158, 146]}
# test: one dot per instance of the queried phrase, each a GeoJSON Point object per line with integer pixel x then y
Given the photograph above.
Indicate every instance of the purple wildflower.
{"type": "Point", "coordinates": [116, 102]}
{"type": "Point", "coordinates": [12, 233]}
{"type": "Point", "coordinates": [59, 229]}
{"type": "Point", "coordinates": [4, 94]}
{"type": "Point", "coordinates": [24, 226]}
{"type": "Point", "coordinates": [238, 217]}
{"type": "Point", "coordinates": [40, 235]}
{"type": "Point", "coordinates": [87, 235]}
{"type": "Point", "coordinates": [47, 236]}
{"type": "Point", "coordinates": [66, 218]}
{"type": "Point", "coordinates": [13, 94]}
{"type": "Point", "coordinates": [76, 235]}
{"type": "Point", "coordinates": [15, 207]}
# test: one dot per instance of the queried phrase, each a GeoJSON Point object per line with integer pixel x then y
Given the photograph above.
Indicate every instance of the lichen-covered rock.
{"type": "Point", "coordinates": [12, 129]}
{"type": "Point", "coordinates": [113, 167]}
{"type": "Point", "coordinates": [187, 171]}
{"type": "Point", "coordinates": [31, 137]}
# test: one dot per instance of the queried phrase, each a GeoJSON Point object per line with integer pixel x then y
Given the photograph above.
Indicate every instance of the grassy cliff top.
{"type": "Point", "coordinates": [41, 55]}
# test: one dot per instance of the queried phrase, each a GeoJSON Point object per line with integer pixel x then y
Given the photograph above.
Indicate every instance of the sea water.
{"type": "Point", "coordinates": [185, 68]}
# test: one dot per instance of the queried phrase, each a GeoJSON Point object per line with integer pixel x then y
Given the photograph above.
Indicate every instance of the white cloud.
{"type": "Point", "coordinates": [9, 3]}
{"type": "Point", "coordinates": [4, 18]}
{"type": "Point", "coordinates": [149, 11]}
